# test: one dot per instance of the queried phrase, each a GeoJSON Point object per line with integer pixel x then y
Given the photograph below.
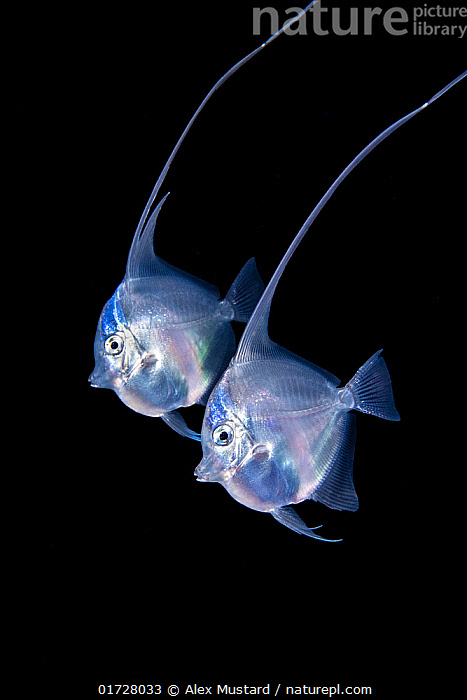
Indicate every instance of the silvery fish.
{"type": "Point", "coordinates": [164, 338]}
{"type": "Point", "coordinates": [277, 429]}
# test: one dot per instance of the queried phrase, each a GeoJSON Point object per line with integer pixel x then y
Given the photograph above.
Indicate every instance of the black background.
{"type": "Point", "coordinates": [143, 574]}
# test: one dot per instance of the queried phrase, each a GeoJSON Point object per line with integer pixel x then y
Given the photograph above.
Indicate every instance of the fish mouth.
{"type": "Point", "coordinates": [94, 381]}
{"type": "Point", "coordinates": [210, 469]}
{"type": "Point", "coordinates": [199, 474]}
{"type": "Point", "coordinates": [204, 472]}
{"type": "Point", "coordinates": [101, 380]}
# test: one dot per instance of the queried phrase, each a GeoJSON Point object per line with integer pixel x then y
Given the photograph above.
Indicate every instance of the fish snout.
{"type": "Point", "coordinates": [93, 380]}
{"type": "Point", "coordinates": [100, 380]}
{"type": "Point", "coordinates": [200, 472]}
{"type": "Point", "coordinates": [203, 471]}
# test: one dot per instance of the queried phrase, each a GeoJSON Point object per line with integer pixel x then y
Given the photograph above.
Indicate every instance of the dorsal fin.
{"type": "Point", "coordinates": [255, 342]}
{"type": "Point", "coordinates": [142, 261]}
{"type": "Point", "coordinates": [215, 87]}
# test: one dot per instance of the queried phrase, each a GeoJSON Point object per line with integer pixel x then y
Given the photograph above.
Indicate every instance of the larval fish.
{"type": "Point", "coordinates": [164, 338]}
{"type": "Point", "coordinates": [277, 429]}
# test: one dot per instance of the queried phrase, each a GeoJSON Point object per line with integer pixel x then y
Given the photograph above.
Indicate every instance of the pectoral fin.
{"type": "Point", "coordinates": [177, 423]}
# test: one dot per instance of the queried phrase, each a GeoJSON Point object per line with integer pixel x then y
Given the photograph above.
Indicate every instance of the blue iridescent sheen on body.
{"type": "Point", "coordinates": [112, 316]}
{"type": "Point", "coordinates": [218, 406]}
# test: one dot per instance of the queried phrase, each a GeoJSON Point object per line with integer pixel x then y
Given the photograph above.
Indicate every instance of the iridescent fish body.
{"type": "Point", "coordinates": [164, 338]}
{"type": "Point", "coordinates": [277, 430]}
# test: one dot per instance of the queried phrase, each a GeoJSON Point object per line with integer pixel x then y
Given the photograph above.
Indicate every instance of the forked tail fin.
{"type": "Point", "coordinates": [371, 389]}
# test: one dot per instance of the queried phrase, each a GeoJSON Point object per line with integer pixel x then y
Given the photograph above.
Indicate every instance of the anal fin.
{"type": "Point", "coordinates": [337, 490]}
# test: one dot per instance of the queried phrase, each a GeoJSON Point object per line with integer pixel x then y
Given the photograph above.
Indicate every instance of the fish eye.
{"type": "Point", "coordinates": [113, 345]}
{"type": "Point", "coordinates": [223, 435]}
